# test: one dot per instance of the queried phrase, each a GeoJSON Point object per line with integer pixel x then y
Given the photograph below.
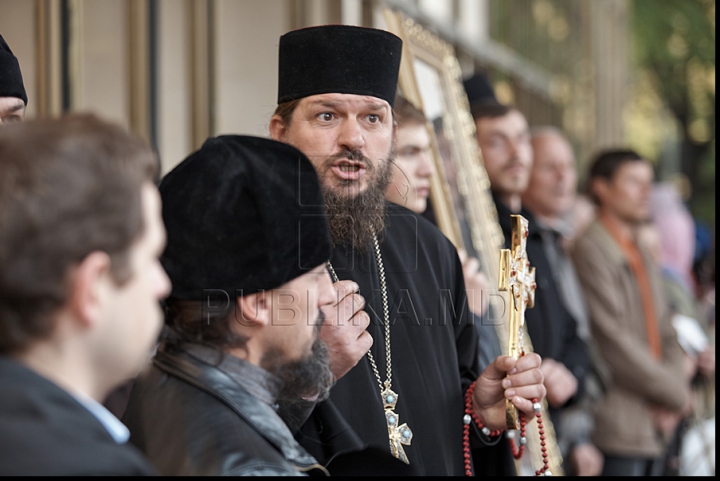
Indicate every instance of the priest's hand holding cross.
{"type": "Point", "coordinates": [518, 371]}
{"type": "Point", "coordinates": [517, 380]}
{"type": "Point", "coordinates": [514, 383]}
{"type": "Point", "coordinates": [510, 382]}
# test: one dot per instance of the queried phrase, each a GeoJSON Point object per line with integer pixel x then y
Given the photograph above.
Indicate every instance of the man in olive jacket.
{"type": "Point", "coordinates": [648, 386]}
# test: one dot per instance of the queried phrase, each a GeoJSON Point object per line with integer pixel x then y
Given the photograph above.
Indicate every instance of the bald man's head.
{"type": "Point", "coordinates": [553, 179]}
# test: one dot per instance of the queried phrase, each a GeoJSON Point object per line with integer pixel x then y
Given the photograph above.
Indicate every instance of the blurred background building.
{"type": "Point", "coordinates": [639, 73]}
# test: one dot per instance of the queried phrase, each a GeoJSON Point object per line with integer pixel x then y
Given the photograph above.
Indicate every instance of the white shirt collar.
{"type": "Point", "coordinates": [119, 432]}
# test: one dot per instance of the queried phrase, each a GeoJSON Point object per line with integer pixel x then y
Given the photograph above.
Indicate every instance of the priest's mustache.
{"type": "Point", "coordinates": [352, 155]}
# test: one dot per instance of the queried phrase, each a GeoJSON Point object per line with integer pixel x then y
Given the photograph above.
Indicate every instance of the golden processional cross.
{"type": "Point", "coordinates": [518, 277]}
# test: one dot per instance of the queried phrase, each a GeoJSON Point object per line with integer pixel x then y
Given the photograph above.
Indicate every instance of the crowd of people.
{"type": "Point", "coordinates": [285, 305]}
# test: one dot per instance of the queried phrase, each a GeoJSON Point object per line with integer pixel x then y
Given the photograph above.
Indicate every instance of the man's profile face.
{"type": "Point", "coordinates": [347, 137]}
{"type": "Point", "coordinates": [133, 317]}
{"type": "Point", "coordinates": [412, 168]}
{"type": "Point", "coordinates": [296, 307]}
{"type": "Point", "coordinates": [507, 154]}
{"type": "Point", "coordinates": [553, 177]}
{"type": "Point", "coordinates": [292, 347]}
{"type": "Point", "coordinates": [12, 109]}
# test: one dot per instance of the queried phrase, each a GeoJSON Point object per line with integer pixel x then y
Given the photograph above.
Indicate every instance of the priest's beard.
{"type": "Point", "coordinates": [354, 219]}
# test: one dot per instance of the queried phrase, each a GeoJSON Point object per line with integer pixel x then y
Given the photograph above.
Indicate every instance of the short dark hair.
{"type": "Point", "coordinates": [606, 163]}
{"type": "Point", "coordinates": [407, 113]}
{"type": "Point", "coordinates": [68, 187]}
{"type": "Point", "coordinates": [489, 109]}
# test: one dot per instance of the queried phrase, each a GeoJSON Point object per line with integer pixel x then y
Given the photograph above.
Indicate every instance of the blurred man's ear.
{"type": "Point", "coordinates": [599, 188]}
{"type": "Point", "coordinates": [88, 286]}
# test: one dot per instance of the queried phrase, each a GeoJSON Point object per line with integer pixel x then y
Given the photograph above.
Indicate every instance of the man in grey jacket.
{"type": "Point", "coordinates": [550, 195]}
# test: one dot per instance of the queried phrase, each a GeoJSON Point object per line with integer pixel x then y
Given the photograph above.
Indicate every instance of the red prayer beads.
{"type": "Point", "coordinates": [469, 411]}
{"type": "Point", "coordinates": [517, 452]}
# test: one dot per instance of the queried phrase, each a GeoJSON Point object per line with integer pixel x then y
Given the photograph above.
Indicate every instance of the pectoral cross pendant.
{"type": "Point", "coordinates": [518, 277]}
{"type": "Point", "coordinates": [398, 434]}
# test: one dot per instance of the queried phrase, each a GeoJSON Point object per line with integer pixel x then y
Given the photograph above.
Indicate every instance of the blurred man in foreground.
{"type": "Point", "coordinates": [80, 285]}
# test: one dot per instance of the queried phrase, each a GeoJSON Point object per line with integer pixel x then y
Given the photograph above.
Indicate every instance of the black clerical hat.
{"type": "Point", "coordinates": [243, 213]}
{"type": "Point", "coordinates": [479, 90]}
{"type": "Point", "coordinates": [11, 82]}
{"type": "Point", "coordinates": [338, 59]}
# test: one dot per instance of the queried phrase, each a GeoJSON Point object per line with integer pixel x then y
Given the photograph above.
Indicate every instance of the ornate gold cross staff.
{"type": "Point", "coordinates": [398, 435]}
{"type": "Point", "coordinates": [518, 277]}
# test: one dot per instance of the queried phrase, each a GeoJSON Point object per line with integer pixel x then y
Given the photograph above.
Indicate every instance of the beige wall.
{"type": "Point", "coordinates": [102, 84]}
{"type": "Point", "coordinates": [173, 89]}
{"type": "Point", "coordinates": [246, 50]}
{"type": "Point", "coordinates": [243, 80]}
{"type": "Point", "coordinates": [218, 75]}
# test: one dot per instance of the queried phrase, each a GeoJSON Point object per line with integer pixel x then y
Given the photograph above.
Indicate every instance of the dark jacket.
{"type": "Point", "coordinates": [191, 418]}
{"type": "Point", "coordinates": [44, 431]}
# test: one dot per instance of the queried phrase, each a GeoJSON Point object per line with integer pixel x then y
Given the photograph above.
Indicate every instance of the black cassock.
{"type": "Point", "coordinates": [433, 351]}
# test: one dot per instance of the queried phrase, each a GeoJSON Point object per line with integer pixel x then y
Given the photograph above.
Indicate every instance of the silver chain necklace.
{"type": "Point", "coordinates": [402, 434]}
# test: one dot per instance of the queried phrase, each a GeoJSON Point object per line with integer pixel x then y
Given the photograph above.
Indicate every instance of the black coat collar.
{"type": "Point", "coordinates": [218, 384]}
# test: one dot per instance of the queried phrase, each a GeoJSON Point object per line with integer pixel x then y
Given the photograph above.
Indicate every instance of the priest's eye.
{"type": "Point", "coordinates": [325, 116]}
{"type": "Point", "coordinates": [373, 119]}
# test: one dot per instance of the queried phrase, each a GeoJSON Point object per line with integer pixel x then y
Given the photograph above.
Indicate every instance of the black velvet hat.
{"type": "Point", "coordinates": [479, 90]}
{"type": "Point", "coordinates": [11, 82]}
{"type": "Point", "coordinates": [338, 59]}
{"type": "Point", "coordinates": [242, 213]}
